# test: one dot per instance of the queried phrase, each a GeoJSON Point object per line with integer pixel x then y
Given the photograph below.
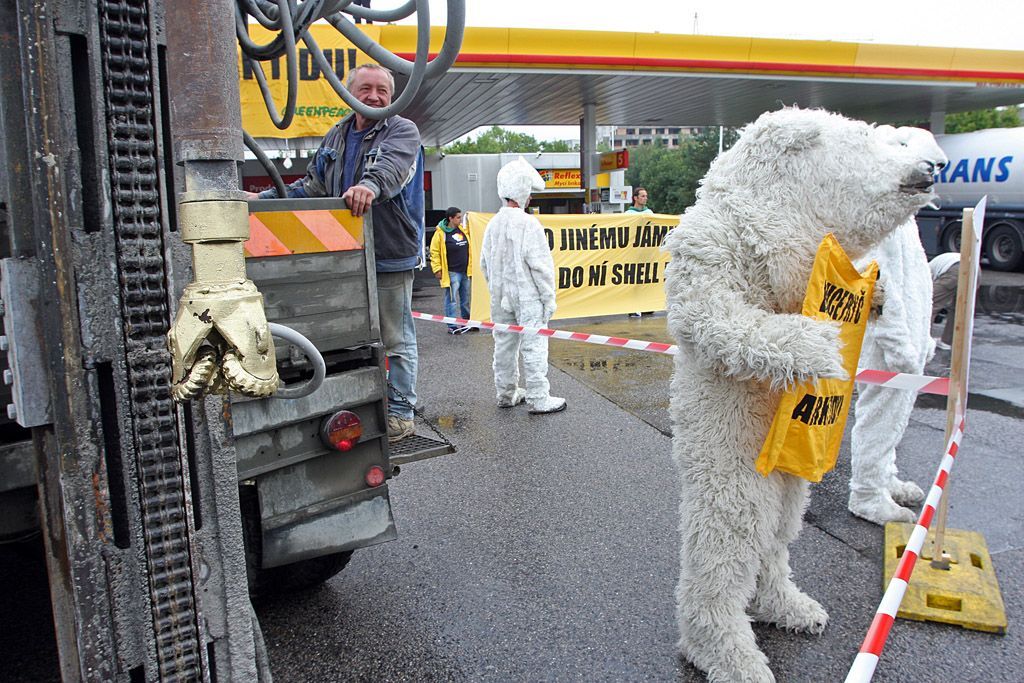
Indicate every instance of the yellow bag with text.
{"type": "Point", "coordinates": [808, 427]}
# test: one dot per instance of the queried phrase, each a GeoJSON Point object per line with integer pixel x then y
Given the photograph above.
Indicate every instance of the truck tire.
{"type": "Point", "coordinates": [995, 300]}
{"type": "Point", "coordinates": [295, 577]}
{"type": "Point", "coordinates": [1004, 246]}
{"type": "Point", "coordinates": [949, 240]}
{"type": "Point", "coordinates": [289, 578]}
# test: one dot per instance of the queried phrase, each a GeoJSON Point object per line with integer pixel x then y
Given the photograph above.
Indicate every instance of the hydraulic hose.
{"type": "Point", "coordinates": [268, 166]}
{"type": "Point", "coordinates": [292, 21]}
{"type": "Point", "coordinates": [307, 347]}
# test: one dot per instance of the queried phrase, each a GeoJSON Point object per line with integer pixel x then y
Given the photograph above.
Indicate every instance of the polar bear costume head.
{"type": "Point", "coordinates": [795, 175]}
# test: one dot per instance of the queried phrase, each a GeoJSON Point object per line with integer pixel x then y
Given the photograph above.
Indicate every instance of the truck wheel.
{"type": "Point", "coordinates": [295, 577]}
{"type": "Point", "coordinates": [288, 578]}
{"type": "Point", "coordinates": [950, 238]}
{"type": "Point", "coordinates": [996, 300]}
{"type": "Point", "coordinates": [1004, 247]}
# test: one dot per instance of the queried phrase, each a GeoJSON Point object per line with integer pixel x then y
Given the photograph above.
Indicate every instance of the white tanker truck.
{"type": "Point", "coordinates": [987, 162]}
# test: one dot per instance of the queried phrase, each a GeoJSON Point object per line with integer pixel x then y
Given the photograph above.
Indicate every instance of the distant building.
{"type": "Point", "coordinates": [468, 182]}
{"type": "Point", "coordinates": [635, 136]}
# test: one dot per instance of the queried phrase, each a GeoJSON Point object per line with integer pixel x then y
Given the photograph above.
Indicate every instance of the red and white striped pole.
{"type": "Point", "coordinates": [867, 659]}
{"type": "Point", "coordinates": [960, 359]}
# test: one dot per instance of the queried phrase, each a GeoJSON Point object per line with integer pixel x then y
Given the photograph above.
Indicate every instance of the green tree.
{"type": "Point", "coordinates": [1000, 117]}
{"type": "Point", "coordinates": [496, 140]}
{"type": "Point", "coordinates": [969, 121]}
{"type": "Point", "coordinates": [671, 176]}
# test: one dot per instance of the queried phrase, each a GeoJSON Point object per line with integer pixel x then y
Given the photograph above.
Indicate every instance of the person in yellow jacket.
{"type": "Point", "coordinates": [451, 259]}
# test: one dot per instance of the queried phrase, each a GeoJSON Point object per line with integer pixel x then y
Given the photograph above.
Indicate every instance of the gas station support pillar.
{"type": "Point", "coordinates": [937, 122]}
{"type": "Point", "coordinates": [588, 147]}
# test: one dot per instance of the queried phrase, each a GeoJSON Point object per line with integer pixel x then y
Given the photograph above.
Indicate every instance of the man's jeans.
{"type": "Point", "coordinates": [394, 301]}
{"type": "Point", "coordinates": [459, 289]}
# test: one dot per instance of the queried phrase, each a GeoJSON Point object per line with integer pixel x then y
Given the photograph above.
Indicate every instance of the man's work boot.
{"type": "Point", "coordinates": [508, 400]}
{"type": "Point", "coordinates": [399, 428]}
{"type": "Point", "coordinates": [548, 404]}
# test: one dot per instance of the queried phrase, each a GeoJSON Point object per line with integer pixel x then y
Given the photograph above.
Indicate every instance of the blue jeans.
{"type": "Point", "coordinates": [394, 302]}
{"type": "Point", "coordinates": [459, 289]}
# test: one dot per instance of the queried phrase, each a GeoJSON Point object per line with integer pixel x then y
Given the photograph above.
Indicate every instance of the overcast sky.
{"type": "Point", "coordinates": [992, 24]}
{"type": "Point", "coordinates": [997, 24]}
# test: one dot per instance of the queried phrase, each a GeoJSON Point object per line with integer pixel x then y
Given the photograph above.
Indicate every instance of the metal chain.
{"type": "Point", "coordinates": [419, 414]}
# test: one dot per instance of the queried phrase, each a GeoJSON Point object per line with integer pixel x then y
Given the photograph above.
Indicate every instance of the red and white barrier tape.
{"type": "Point", "coordinates": [867, 659]}
{"type": "Point", "coordinates": [893, 380]}
{"type": "Point", "coordinates": [621, 342]}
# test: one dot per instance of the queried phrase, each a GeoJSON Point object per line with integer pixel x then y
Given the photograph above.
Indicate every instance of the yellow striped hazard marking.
{"type": "Point", "coordinates": [283, 233]}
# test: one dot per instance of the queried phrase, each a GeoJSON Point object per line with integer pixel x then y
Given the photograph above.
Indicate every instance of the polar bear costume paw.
{"type": "Point", "coordinates": [905, 492]}
{"type": "Point", "coordinates": [790, 609]}
{"type": "Point", "coordinates": [879, 507]}
{"type": "Point", "coordinates": [816, 350]}
{"type": "Point", "coordinates": [730, 660]}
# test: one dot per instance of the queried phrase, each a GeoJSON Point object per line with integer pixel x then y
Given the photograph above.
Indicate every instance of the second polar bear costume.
{"type": "Point", "coordinates": [899, 340]}
{"type": "Point", "coordinates": [516, 260]}
{"type": "Point", "coordinates": [741, 257]}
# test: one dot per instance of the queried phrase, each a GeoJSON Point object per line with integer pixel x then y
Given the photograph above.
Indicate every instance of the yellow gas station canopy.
{"type": "Point", "coordinates": [508, 76]}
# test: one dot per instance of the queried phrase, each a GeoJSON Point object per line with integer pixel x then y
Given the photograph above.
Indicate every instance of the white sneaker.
{"type": "Point", "coordinates": [549, 404]}
{"type": "Point", "coordinates": [517, 397]}
{"type": "Point", "coordinates": [941, 345]}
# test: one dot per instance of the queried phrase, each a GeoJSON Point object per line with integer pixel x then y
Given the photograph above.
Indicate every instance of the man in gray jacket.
{"type": "Point", "coordinates": [368, 162]}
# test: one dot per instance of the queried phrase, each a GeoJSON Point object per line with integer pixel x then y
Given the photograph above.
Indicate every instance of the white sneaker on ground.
{"type": "Point", "coordinates": [939, 344]}
{"type": "Point", "coordinates": [549, 404]}
{"type": "Point", "coordinates": [508, 401]}
{"type": "Point", "coordinates": [399, 428]}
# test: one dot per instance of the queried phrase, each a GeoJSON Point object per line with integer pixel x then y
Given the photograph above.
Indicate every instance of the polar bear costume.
{"type": "Point", "coordinates": [741, 257]}
{"type": "Point", "coordinates": [898, 340]}
{"type": "Point", "coordinates": [516, 260]}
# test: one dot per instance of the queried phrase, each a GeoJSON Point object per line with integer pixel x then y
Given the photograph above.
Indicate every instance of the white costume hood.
{"type": "Point", "coordinates": [517, 180]}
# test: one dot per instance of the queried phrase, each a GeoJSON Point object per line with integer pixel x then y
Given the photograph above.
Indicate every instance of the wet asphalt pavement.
{"type": "Point", "coordinates": [546, 549]}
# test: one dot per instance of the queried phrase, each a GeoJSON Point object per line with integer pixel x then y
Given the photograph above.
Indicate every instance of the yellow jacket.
{"type": "Point", "coordinates": [439, 254]}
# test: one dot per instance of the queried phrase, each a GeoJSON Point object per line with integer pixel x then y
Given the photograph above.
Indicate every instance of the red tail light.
{"type": "Point", "coordinates": [375, 476]}
{"type": "Point", "coordinates": [342, 430]}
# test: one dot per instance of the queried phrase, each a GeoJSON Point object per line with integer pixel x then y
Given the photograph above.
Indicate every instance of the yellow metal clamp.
{"type": "Point", "coordinates": [220, 340]}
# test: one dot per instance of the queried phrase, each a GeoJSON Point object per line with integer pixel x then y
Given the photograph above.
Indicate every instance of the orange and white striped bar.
{"type": "Point", "coordinates": [864, 664]}
{"type": "Point", "coordinates": [892, 380]}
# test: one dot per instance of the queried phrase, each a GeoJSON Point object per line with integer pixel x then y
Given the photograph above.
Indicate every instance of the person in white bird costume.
{"type": "Point", "coordinates": [516, 261]}
{"type": "Point", "coordinates": [741, 257]}
{"type": "Point", "coordinates": [899, 340]}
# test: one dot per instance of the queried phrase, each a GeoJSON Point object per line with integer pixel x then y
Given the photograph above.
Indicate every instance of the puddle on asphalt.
{"type": "Point", "coordinates": [449, 422]}
{"type": "Point", "coordinates": [998, 302]}
{"type": "Point", "coordinates": [985, 404]}
{"type": "Point", "coordinates": [636, 381]}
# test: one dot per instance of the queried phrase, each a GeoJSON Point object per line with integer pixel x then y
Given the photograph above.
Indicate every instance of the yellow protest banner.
{"type": "Point", "coordinates": [605, 264]}
{"type": "Point", "coordinates": [318, 107]}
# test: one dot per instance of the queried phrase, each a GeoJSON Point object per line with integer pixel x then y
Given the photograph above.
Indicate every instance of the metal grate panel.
{"type": "Point", "coordinates": [416, 447]}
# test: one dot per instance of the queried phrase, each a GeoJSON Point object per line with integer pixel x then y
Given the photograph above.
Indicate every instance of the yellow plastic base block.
{"type": "Point", "coordinates": [967, 594]}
